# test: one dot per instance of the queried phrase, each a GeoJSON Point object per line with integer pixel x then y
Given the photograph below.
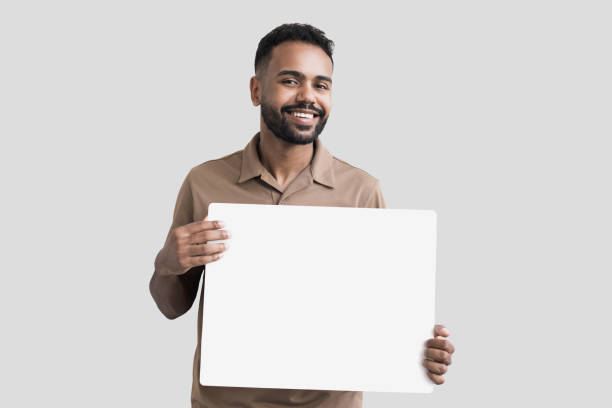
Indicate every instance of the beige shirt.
{"type": "Point", "coordinates": [241, 178]}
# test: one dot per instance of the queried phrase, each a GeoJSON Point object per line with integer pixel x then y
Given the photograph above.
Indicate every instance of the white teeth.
{"type": "Point", "coordinates": [303, 115]}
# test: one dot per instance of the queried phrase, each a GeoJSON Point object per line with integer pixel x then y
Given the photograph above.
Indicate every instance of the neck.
{"type": "Point", "coordinates": [282, 159]}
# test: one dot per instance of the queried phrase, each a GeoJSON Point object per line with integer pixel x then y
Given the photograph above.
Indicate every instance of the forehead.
{"type": "Point", "coordinates": [298, 56]}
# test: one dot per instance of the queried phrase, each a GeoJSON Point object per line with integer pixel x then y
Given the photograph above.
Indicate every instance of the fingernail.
{"type": "Point", "coordinates": [220, 224]}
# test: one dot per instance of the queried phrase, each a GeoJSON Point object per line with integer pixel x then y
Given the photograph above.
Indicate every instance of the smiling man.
{"type": "Point", "coordinates": [298, 121]}
{"type": "Point", "coordinates": [285, 163]}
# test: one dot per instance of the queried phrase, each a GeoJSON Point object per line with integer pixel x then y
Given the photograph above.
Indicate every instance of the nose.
{"type": "Point", "coordinates": [306, 94]}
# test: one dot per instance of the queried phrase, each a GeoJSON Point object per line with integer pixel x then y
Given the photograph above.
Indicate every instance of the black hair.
{"type": "Point", "coordinates": [291, 32]}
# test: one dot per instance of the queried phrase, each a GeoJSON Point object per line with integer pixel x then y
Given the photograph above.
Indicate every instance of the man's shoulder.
{"type": "Point", "coordinates": [359, 184]}
{"type": "Point", "coordinates": [225, 165]}
{"type": "Point", "coordinates": [346, 171]}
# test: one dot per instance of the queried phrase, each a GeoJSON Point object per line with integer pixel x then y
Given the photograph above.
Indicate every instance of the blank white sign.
{"type": "Point", "coordinates": [321, 298]}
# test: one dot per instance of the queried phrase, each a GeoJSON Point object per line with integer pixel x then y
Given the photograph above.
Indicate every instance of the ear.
{"type": "Point", "coordinates": [255, 86]}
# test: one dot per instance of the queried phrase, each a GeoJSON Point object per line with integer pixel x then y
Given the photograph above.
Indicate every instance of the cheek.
{"type": "Point", "coordinates": [281, 95]}
{"type": "Point", "coordinates": [327, 107]}
{"type": "Point", "coordinates": [326, 101]}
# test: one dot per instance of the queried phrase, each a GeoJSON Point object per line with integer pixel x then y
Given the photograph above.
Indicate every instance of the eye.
{"type": "Point", "coordinates": [322, 86]}
{"type": "Point", "coordinates": [289, 81]}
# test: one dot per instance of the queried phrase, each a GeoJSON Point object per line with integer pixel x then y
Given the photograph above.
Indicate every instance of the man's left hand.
{"type": "Point", "coordinates": [438, 354]}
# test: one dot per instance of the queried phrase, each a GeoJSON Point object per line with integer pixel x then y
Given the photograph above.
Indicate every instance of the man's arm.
{"type": "Point", "coordinates": [174, 294]}
{"type": "Point", "coordinates": [181, 261]}
{"type": "Point", "coordinates": [179, 264]}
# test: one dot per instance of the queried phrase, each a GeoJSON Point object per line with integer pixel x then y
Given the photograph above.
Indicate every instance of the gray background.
{"type": "Point", "coordinates": [496, 115]}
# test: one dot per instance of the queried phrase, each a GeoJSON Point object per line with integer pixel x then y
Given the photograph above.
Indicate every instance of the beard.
{"type": "Point", "coordinates": [289, 132]}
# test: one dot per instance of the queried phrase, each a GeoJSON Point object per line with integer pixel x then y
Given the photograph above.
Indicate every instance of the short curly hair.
{"type": "Point", "coordinates": [291, 32]}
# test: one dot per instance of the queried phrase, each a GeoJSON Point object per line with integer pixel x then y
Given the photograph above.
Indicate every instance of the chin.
{"type": "Point", "coordinates": [298, 139]}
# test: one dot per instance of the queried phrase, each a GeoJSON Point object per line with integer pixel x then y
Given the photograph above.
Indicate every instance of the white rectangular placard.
{"type": "Point", "coordinates": [320, 298]}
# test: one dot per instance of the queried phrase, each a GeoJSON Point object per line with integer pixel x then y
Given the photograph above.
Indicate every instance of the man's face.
{"type": "Point", "coordinates": [296, 92]}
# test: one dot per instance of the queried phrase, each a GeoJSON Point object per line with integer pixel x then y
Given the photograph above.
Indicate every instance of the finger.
{"type": "Point", "coordinates": [205, 236]}
{"type": "Point", "coordinates": [435, 368]}
{"type": "Point", "coordinates": [203, 260]}
{"type": "Point", "coordinates": [437, 379]}
{"type": "Point", "coordinates": [441, 344]}
{"type": "Point", "coordinates": [202, 225]}
{"type": "Point", "coordinates": [440, 330]}
{"type": "Point", "coordinates": [439, 356]}
{"type": "Point", "coordinates": [206, 249]}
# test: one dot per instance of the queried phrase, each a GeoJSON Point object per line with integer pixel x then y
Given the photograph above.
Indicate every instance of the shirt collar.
{"type": "Point", "coordinates": [321, 166]}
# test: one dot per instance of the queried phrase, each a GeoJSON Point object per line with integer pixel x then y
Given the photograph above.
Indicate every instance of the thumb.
{"type": "Point", "coordinates": [440, 330]}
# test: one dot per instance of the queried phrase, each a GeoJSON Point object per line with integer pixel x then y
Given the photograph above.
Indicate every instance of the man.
{"type": "Point", "coordinates": [284, 163]}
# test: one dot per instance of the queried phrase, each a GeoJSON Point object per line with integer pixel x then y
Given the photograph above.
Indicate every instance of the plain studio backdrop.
{"type": "Point", "coordinates": [494, 114]}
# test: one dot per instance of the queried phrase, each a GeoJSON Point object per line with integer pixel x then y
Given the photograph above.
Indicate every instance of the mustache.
{"type": "Point", "coordinates": [311, 107]}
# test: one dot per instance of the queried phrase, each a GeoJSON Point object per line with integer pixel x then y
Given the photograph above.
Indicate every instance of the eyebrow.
{"type": "Point", "coordinates": [299, 75]}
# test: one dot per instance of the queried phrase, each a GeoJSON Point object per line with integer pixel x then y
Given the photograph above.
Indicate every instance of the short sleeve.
{"type": "Point", "coordinates": [376, 199]}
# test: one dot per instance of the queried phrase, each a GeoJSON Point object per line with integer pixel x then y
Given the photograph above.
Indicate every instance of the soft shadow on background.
{"type": "Point", "coordinates": [497, 116]}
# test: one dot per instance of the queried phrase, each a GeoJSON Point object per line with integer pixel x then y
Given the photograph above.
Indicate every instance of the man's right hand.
{"type": "Point", "coordinates": [187, 247]}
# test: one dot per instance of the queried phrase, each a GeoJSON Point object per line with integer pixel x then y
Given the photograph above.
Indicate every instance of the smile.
{"type": "Point", "coordinates": [301, 117]}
